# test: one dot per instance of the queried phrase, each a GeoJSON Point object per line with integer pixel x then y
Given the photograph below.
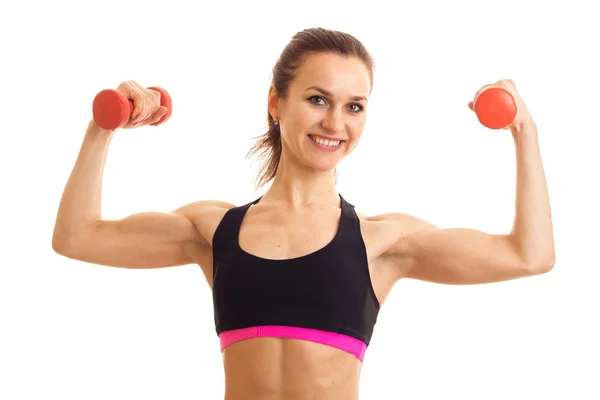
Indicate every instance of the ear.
{"type": "Point", "coordinates": [273, 102]}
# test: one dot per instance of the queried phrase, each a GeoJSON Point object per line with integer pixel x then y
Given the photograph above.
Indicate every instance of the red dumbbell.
{"type": "Point", "coordinates": [495, 107]}
{"type": "Point", "coordinates": [112, 110]}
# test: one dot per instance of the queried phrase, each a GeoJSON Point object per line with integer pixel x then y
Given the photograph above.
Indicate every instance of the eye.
{"type": "Point", "coordinates": [315, 97]}
{"type": "Point", "coordinates": [357, 110]}
{"type": "Point", "coordinates": [360, 108]}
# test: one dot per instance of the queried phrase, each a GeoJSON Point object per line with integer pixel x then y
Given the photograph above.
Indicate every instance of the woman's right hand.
{"type": "Point", "coordinates": [146, 104]}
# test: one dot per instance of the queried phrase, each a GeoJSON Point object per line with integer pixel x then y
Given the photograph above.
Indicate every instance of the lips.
{"type": "Point", "coordinates": [325, 145]}
{"type": "Point", "coordinates": [325, 142]}
{"type": "Point", "coordinates": [312, 135]}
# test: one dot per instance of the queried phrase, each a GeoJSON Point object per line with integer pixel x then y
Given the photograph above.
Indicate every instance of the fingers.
{"type": "Point", "coordinates": [150, 107]}
{"type": "Point", "coordinates": [162, 110]}
{"type": "Point", "coordinates": [133, 91]}
{"type": "Point", "coordinates": [146, 104]}
{"type": "Point", "coordinates": [507, 84]}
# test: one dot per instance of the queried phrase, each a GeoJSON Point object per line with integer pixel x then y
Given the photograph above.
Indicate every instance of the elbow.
{"type": "Point", "coordinates": [547, 267]}
{"type": "Point", "coordinates": [63, 242]}
{"type": "Point", "coordinates": [60, 243]}
{"type": "Point", "coordinates": [542, 267]}
{"type": "Point", "coordinates": [66, 239]}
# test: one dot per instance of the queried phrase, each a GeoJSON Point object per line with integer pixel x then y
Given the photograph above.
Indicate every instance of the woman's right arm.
{"type": "Point", "coordinates": [143, 240]}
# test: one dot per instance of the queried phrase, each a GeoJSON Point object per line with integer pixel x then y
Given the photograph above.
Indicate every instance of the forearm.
{"type": "Point", "coordinates": [80, 205]}
{"type": "Point", "coordinates": [532, 230]}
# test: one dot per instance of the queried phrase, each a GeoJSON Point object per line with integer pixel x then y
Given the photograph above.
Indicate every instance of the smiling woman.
{"type": "Point", "coordinates": [298, 276]}
{"type": "Point", "coordinates": [316, 77]}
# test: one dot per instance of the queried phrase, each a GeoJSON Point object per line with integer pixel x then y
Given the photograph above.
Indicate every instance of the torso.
{"type": "Point", "coordinates": [275, 368]}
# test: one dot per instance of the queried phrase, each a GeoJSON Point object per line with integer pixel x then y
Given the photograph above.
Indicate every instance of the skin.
{"type": "Point", "coordinates": [301, 211]}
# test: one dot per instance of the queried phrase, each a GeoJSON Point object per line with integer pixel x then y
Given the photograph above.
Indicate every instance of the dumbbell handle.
{"type": "Point", "coordinates": [495, 107]}
{"type": "Point", "coordinates": [111, 109]}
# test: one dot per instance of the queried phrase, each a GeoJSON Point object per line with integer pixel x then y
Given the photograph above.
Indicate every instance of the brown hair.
{"type": "Point", "coordinates": [303, 44]}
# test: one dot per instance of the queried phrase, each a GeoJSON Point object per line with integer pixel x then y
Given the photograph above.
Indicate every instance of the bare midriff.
{"type": "Point", "coordinates": [267, 368]}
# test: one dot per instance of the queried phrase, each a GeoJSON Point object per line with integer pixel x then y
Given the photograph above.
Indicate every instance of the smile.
{"type": "Point", "coordinates": [325, 142]}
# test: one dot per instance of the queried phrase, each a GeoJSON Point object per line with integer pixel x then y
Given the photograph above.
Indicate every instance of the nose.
{"type": "Point", "coordinates": [334, 120]}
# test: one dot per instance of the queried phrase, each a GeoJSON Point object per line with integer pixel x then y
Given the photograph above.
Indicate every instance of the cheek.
{"type": "Point", "coordinates": [351, 146]}
{"type": "Point", "coordinates": [290, 138]}
{"type": "Point", "coordinates": [355, 136]}
{"type": "Point", "coordinates": [295, 130]}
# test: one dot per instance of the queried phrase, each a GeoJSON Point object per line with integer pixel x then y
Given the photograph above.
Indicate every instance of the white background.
{"type": "Point", "coordinates": [73, 330]}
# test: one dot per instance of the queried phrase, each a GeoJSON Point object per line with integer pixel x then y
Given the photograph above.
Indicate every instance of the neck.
{"type": "Point", "coordinates": [297, 186]}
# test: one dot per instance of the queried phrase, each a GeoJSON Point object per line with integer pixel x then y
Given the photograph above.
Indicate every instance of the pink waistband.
{"type": "Point", "coordinates": [343, 342]}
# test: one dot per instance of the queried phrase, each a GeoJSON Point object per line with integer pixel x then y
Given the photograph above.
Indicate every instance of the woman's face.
{"type": "Point", "coordinates": [323, 117]}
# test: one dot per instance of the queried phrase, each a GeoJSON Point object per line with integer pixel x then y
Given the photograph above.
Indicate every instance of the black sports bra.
{"type": "Point", "coordinates": [325, 297]}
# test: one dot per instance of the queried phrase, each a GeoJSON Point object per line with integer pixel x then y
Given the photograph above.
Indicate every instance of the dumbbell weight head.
{"type": "Point", "coordinates": [111, 109]}
{"type": "Point", "coordinates": [495, 108]}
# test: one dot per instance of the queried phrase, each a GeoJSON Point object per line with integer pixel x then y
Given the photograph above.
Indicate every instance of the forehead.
{"type": "Point", "coordinates": [344, 76]}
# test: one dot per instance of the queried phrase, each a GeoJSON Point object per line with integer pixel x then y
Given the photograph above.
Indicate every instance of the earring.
{"type": "Point", "coordinates": [275, 122]}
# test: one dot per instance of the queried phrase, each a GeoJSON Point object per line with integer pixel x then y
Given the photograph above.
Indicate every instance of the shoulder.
{"type": "Point", "coordinates": [204, 206]}
{"type": "Point", "coordinates": [396, 220]}
{"type": "Point", "coordinates": [402, 221]}
{"type": "Point", "coordinates": [203, 209]}
{"type": "Point", "coordinates": [205, 215]}
{"type": "Point", "coordinates": [387, 233]}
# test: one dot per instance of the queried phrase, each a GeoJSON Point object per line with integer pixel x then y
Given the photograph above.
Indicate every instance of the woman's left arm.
{"type": "Point", "coordinates": [468, 256]}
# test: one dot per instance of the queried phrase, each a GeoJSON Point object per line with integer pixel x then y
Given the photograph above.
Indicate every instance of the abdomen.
{"type": "Point", "coordinates": [277, 369]}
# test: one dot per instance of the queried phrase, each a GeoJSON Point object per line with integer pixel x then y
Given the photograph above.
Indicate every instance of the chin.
{"type": "Point", "coordinates": [323, 165]}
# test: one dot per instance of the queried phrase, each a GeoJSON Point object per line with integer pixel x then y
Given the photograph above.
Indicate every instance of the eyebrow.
{"type": "Point", "coordinates": [327, 93]}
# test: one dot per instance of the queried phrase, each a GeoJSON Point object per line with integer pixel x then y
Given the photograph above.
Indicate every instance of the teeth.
{"type": "Point", "coordinates": [324, 142]}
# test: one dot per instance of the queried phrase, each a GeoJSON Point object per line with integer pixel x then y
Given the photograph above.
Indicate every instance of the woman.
{"type": "Point", "coordinates": [298, 276]}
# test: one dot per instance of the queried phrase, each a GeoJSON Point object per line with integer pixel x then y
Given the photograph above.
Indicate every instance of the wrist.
{"type": "Point", "coordinates": [97, 133]}
{"type": "Point", "coordinates": [526, 127]}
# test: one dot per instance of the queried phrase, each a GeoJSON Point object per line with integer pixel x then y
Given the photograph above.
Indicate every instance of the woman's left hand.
{"type": "Point", "coordinates": [523, 117]}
